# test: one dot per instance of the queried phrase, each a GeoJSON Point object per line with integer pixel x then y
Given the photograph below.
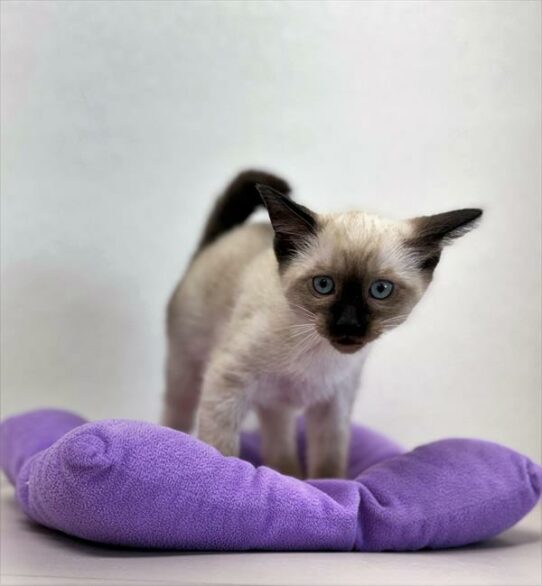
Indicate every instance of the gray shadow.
{"type": "Point", "coordinates": [511, 538]}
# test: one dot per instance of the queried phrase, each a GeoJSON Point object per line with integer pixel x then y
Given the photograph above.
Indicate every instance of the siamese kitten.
{"type": "Point", "coordinates": [280, 317]}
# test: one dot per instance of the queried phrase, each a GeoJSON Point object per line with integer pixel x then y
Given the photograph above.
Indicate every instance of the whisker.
{"type": "Point", "coordinates": [306, 343]}
{"type": "Point", "coordinates": [304, 309]}
{"type": "Point", "coordinates": [299, 334]}
{"type": "Point", "coordinates": [292, 326]}
{"type": "Point", "coordinates": [296, 328]}
{"type": "Point", "coordinates": [395, 318]}
{"type": "Point", "coordinates": [303, 331]}
{"type": "Point", "coordinates": [392, 322]}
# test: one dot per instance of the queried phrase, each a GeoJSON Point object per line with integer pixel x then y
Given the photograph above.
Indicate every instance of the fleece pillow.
{"type": "Point", "coordinates": [137, 484]}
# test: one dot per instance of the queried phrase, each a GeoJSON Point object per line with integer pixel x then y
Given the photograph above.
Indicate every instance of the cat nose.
{"type": "Point", "coordinates": [349, 322]}
{"type": "Point", "coordinates": [348, 316]}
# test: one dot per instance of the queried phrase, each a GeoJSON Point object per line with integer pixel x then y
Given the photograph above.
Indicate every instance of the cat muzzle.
{"type": "Point", "coordinates": [347, 344]}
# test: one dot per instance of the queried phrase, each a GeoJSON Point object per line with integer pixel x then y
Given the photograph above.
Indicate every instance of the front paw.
{"type": "Point", "coordinates": [287, 466]}
{"type": "Point", "coordinates": [327, 470]}
{"type": "Point", "coordinates": [226, 444]}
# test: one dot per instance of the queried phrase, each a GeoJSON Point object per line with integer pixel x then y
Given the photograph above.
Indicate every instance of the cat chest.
{"type": "Point", "coordinates": [290, 391]}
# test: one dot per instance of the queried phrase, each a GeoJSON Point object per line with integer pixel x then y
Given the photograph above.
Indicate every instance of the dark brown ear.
{"type": "Point", "coordinates": [292, 223]}
{"type": "Point", "coordinates": [431, 233]}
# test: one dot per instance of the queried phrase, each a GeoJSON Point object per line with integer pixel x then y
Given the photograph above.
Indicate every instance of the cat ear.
{"type": "Point", "coordinates": [292, 222]}
{"type": "Point", "coordinates": [431, 233]}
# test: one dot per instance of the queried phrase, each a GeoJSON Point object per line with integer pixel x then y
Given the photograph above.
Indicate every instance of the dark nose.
{"type": "Point", "coordinates": [349, 322]}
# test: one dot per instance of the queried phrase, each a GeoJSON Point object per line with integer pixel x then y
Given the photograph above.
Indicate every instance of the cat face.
{"type": "Point", "coordinates": [354, 276]}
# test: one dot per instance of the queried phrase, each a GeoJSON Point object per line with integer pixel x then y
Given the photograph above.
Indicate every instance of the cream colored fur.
{"type": "Point", "coordinates": [238, 340]}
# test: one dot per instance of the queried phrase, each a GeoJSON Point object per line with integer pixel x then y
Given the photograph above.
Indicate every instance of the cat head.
{"type": "Point", "coordinates": [352, 275]}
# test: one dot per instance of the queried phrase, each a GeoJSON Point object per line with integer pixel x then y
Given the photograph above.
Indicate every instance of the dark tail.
{"type": "Point", "coordinates": [237, 203]}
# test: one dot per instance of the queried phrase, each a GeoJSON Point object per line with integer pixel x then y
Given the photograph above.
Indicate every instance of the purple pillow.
{"type": "Point", "coordinates": [142, 485]}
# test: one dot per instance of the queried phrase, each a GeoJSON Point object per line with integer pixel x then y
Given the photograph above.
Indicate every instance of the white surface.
{"type": "Point", "coordinates": [121, 121]}
{"type": "Point", "coordinates": [35, 556]}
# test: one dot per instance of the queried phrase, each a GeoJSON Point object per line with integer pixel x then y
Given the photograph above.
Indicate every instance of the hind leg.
{"type": "Point", "coordinates": [183, 385]}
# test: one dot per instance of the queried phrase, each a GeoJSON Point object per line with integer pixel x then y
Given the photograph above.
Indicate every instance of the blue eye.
{"type": "Point", "coordinates": [381, 289]}
{"type": "Point", "coordinates": [323, 285]}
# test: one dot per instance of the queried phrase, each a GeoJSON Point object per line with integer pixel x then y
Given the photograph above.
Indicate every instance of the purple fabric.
{"type": "Point", "coordinates": [141, 485]}
{"type": "Point", "coordinates": [25, 435]}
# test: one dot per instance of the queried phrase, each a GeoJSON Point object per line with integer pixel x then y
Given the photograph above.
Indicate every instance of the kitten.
{"type": "Point", "coordinates": [280, 317]}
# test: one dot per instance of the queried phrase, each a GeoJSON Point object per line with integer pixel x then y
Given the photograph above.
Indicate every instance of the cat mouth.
{"type": "Point", "coordinates": [347, 344]}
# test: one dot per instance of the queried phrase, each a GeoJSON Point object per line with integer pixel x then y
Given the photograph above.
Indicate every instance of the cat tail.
{"type": "Point", "coordinates": [238, 202]}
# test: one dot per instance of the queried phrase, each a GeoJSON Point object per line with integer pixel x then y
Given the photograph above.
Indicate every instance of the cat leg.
{"type": "Point", "coordinates": [223, 405]}
{"type": "Point", "coordinates": [328, 435]}
{"type": "Point", "coordinates": [279, 446]}
{"type": "Point", "coordinates": [183, 385]}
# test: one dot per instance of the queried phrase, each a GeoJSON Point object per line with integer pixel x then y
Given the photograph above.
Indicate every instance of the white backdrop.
{"type": "Point", "coordinates": [121, 122]}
